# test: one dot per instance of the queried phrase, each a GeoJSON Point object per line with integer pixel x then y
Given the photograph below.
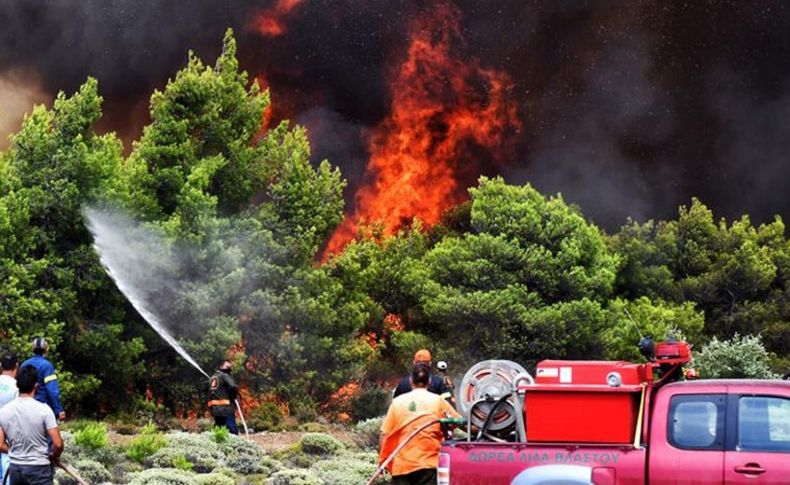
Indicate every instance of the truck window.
{"type": "Point", "coordinates": [696, 422]}
{"type": "Point", "coordinates": [763, 424]}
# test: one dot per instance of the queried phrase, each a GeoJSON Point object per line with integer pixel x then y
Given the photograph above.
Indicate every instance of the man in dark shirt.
{"type": "Point", "coordinates": [436, 384]}
{"type": "Point", "coordinates": [222, 397]}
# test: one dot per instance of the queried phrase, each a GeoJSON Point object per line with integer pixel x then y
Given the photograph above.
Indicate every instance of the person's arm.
{"type": "Point", "coordinates": [233, 389]}
{"type": "Point", "coordinates": [53, 391]}
{"type": "Point", "coordinates": [3, 444]}
{"type": "Point", "coordinates": [57, 443]}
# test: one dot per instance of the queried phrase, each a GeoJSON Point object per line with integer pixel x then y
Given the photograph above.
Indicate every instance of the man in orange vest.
{"type": "Point", "coordinates": [416, 462]}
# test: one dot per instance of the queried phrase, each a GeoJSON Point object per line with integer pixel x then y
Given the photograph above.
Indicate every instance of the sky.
{"type": "Point", "coordinates": [627, 108]}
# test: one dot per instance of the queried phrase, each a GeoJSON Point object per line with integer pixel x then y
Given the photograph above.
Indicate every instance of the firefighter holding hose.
{"type": "Point", "coordinates": [222, 394]}
{"type": "Point", "coordinates": [411, 431]}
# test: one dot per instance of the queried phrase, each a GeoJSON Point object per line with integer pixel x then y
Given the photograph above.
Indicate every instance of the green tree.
{"type": "Point", "coordinates": [51, 281]}
{"type": "Point", "coordinates": [528, 283]}
{"type": "Point", "coordinates": [735, 273]}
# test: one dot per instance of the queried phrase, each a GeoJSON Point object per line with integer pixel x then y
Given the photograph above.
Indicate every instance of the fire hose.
{"type": "Point", "coordinates": [385, 463]}
{"type": "Point", "coordinates": [244, 423]}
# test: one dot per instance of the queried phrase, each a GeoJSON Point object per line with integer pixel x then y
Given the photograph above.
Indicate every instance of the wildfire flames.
{"type": "Point", "coordinates": [445, 111]}
{"type": "Point", "coordinates": [270, 22]}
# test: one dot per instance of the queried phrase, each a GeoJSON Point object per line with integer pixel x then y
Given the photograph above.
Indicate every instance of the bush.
{"type": "Point", "coordinates": [219, 434]}
{"type": "Point", "coordinates": [366, 433]}
{"type": "Point", "coordinates": [92, 436]}
{"type": "Point", "coordinates": [203, 460]}
{"type": "Point", "coordinates": [214, 479]}
{"type": "Point", "coordinates": [294, 456]}
{"type": "Point", "coordinates": [343, 470]}
{"type": "Point", "coordinates": [91, 471]}
{"type": "Point", "coordinates": [145, 445]}
{"type": "Point", "coordinates": [243, 456]}
{"type": "Point", "coordinates": [741, 357]}
{"type": "Point", "coordinates": [181, 462]}
{"type": "Point", "coordinates": [160, 476]}
{"type": "Point", "coordinates": [267, 417]}
{"type": "Point", "coordinates": [294, 477]}
{"type": "Point", "coordinates": [372, 401]}
{"type": "Point", "coordinates": [320, 444]}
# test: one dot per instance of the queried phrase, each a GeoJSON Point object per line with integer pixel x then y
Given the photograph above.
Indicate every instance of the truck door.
{"type": "Point", "coordinates": [687, 442]}
{"type": "Point", "coordinates": [759, 440]}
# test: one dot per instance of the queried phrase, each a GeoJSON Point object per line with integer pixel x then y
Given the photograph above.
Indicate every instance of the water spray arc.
{"type": "Point", "coordinates": [126, 267]}
{"type": "Point", "coordinates": [112, 236]}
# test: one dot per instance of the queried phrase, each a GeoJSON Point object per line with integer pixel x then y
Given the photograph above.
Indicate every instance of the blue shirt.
{"type": "Point", "coordinates": [48, 390]}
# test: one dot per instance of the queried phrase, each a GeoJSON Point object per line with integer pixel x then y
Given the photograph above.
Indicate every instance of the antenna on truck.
{"type": "Point", "coordinates": [646, 345]}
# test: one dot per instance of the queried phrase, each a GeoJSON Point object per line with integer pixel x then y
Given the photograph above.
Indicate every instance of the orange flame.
{"type": "Point", "coordinates": [271, 21]}
{"type": "Point", "coordinates": [443, 108]}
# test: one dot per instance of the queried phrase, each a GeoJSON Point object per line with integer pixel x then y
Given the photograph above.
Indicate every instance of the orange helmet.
{"type": "Point", "coordinates": [422, 355]}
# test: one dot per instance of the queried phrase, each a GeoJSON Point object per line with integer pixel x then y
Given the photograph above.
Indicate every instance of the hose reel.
{"type": "Point", "coordinates": [483, 385]}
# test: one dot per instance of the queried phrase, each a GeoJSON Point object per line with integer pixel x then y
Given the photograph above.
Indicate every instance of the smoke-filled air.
{"type": "Point", "coordinates": [296, 196]}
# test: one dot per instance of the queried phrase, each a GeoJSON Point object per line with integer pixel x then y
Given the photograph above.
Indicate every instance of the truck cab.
{"type": "Point", "coordinates": [720, 431]}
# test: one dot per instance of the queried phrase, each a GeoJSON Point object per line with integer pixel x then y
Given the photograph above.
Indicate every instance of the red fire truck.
{"type": "Point", "coordinates": [605, 423]}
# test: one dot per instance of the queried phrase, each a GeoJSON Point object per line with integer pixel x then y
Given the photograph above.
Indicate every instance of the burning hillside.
{"type": "Point", "coordinates": [446, 112]}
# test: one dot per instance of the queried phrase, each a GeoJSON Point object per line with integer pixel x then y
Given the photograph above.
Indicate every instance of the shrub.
{"type": "Point", "coordinates": [92, 436]}
{"type": "Point", "coordinates": [320, 444]}
{"type": "Point", "coordinates": [313, 427]}
{"type": "Point", "coordinates": [343, 470]}
{"type": "Point", "coordinates": [219, 434]}
{"type": "Point", "coordinates": [294, 456]}
{"type": "Point", "coordinates": [366, 433]}
{"type": "Point", "coordinates": [371, 401]}
{"type": "Point", "coordinates": [145, 445]}
{"type": "Point", "coordinates": [267, 416]}
{"type": "Point", "coordinates": [741, 357]}
{"type": "Point", "coordinates": [181, 462]}
{"type": "Point", "coordinates": [200, 450]}
{"type": "Point", "coordinates": [243, 456]}
{"type": "Point", "coordinates": [161, 476]}
{"type": "Point", "coordinates": [304, 409]}
{"type": "Point", "coordinates": [93, 471]}
{"type": "Point", "coordinates": [202, 460]}
{"type": "Point", "coordinates": [294, 477]}
{"type": "Point", "coordinates": [214, 479]}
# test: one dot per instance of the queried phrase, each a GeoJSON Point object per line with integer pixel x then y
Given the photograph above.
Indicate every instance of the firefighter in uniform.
{"type": "Point", "coordinates": [48, 391]}
{"type": "Point", "coordinates": [437, 385]}
{"type": "Point", "coordinates": [222, 397]}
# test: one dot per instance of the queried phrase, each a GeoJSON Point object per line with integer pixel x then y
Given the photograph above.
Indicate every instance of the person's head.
{"type": "Point", "coordinates": [225, 366]}
{"type": "Point", "coordinates": [26, 379]}
{"type": "Point", "coordinates": [422, 356]}
{"type": "Point", "coordinates": [40, 346]}
{"type": "Point", "coordinates": [420, 375]}
{"type": "Point", "coordinates": [9, 361]}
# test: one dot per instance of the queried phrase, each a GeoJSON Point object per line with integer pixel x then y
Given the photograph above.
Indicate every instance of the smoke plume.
{"type": "Point", "coordinates": [18, 94]}
{"type": "Point", "coordinates": [627, 108]}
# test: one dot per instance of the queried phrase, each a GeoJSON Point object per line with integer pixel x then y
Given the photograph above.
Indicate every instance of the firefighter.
{"type": "Point", "coordinates": [436, 385]}
{"type": "Point", "coordinates": [416, 462]}
{"type": "Point", "coordinates": [222, 397]}
{"type": "Point", "coordinates": [48, 390]}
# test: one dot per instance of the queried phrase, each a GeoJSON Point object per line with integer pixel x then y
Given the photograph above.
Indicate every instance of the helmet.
{"type": "Point", "coordinates": [40, 345]}
{"type": "Point", "coordinates": [422, 355]}
{"type": "Point", "coordinates": [441, 365]}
